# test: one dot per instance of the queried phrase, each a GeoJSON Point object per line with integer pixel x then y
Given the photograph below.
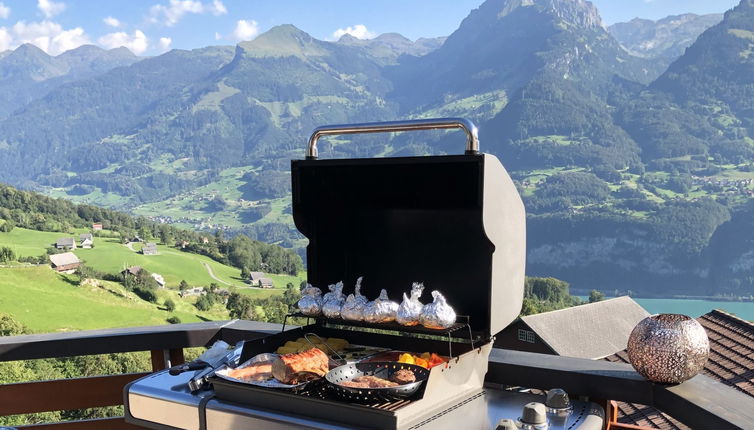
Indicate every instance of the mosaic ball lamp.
{"type": "Point", "coordinates": [668, 348]}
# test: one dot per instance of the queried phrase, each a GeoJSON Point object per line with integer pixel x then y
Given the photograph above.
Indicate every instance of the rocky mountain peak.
{"type": "Point", "coordinates": [580, 13]}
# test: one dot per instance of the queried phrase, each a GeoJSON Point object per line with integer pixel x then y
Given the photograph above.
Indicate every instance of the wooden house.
{"type": "Point", "coordinates": [66, 262]}
{"type": "Point", "coordinates": [65, 243]}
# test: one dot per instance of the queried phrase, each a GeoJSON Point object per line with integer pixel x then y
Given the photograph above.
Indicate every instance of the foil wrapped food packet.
{"type": "Point", "coordinates": [310, 303]}
{"type": "Point", "coordinates": [438, 314]}
{"type": "Point", "coordinates": [385, 309]}
{"type": "Point", "coordinates": [353, 309]}
{"type": "Point", "coordinates": [333, 301]}
{"type": "Point", "coordinates": [410, 309]}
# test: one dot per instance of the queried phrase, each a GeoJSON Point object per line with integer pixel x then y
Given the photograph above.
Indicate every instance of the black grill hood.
{"type": "Point", "coordinates": [455, 223]}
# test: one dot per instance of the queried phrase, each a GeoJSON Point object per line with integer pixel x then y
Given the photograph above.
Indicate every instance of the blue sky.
{"type": "Point", "coordinates": [150, 27]}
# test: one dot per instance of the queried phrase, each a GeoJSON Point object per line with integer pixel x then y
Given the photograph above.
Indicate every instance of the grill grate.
{"type": "Point", "coordinates": [458, 332]}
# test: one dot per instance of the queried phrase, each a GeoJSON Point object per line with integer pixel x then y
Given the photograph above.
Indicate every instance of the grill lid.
{"type": "Point", "coordinates": [455, 223]}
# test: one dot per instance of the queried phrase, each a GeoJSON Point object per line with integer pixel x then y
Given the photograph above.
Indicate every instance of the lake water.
{"type": "Point", "coordinates": [695, 308]}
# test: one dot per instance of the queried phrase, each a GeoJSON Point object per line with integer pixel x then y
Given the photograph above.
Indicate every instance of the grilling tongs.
{"type": "Point", "coordinates": [208, 362]}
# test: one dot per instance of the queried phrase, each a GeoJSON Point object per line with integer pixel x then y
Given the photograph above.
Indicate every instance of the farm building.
{"type": "Point", "coordinates": [131, 271]}
{"type": "Point", "coordinates": [96, 227]}
{"type": "Point", "coordinates": [196, 291]}
{"type": "Point", "coordinates": [66, 262]}
{"type": "Point", "coordinates": [149, 248]}
{"type": "Point", "coordinates": [86, 240]}
{"type": "Point", "coordinates": [265, 283]}
{"type": "Point", "coordinates": [65, 243]}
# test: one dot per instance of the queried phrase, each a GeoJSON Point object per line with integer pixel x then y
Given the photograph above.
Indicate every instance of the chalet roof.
{"type": "Point", "coordinates": [256, 275]}
{"type": "Point", "coordinates": [133, 270]}
{"type": "Point", "coordinates": [84, 236]}
{"type": "Point", "coordinates": [265, 281]}
{"type": "Point", "coordinates": [64, 259]}
{"type": "Point", "coordinates": [150, 245]}
{"type": "Point", "coordinates": [65, 241]}
{"type": "Point", "coordinates": [593, 330]}
{"type": "Point", "coordinates": [731, 361]}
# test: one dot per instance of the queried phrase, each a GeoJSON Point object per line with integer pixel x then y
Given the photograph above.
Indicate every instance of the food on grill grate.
{"type": "Point", "coordinates": [381, 310]}
{"type": "Point", "coordinates": [256, 372]}
{"type": "Point", "coordinates": [311, 301]}
{"type": "Point", "coordinates": [403, 376]}
{"type": "Point", "coordinates": [325, 344]}
{"type": "Point", "coordinates": [333, 301]}
{"type": "Point", "coordinates": [410, 309]}
{"type": "Point", "coordinates": [367, 381]}
{"type": "Point", "coordinates": [438, 314]}
{"type": "Point", "coordinates": [293, 368]}
{"type": "Point", "coordinates": [353, 309]}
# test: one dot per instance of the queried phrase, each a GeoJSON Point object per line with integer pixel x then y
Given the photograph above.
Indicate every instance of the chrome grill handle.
{"type": "Point", "coordinates": [472, 139]}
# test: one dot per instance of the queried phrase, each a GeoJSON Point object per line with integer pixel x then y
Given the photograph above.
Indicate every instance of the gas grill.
{"type": "Point", "coordinates": [455, 223]}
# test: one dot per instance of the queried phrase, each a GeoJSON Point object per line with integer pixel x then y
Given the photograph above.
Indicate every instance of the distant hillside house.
{"type": "Point", "coordinates": [131, 271]}
{"type": "Point", "coordinates": [66, 262]}
{"type": "Point", "coordinates": [204, 240]}
{"type": "Point", "coordinates": [65, 243]}
{"type": "Point", "coordinates": [265, 283]}
{"type": "Point", "coordinates": [149, 248]}
{"type": "Point", "coordinates": [159, 279]}
{"type": "Point", "coordinates": [196, 291]}
{"type": "Point", "coordinates": [86, 240]}
{"type": "Point", "coordinates": [593, 331]}
{"type": "Point", "coordinates": [96, 227]}
{"type": "Point", "coordinates": [182, 244]}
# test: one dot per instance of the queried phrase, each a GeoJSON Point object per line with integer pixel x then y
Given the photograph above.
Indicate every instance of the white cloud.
{"type": "Point", "coordinates": [112, 22]}
{"type": "Point", "coordinates": [165, 43]}
{"type": "Point", "coordinates": [136, 42]}
{"type": "Point", "coordinates": [4, 10]}
{"type": "Point", "coordinates": [218, 36]}
{"type": "Point", "coordinates": [6, 39]}
{"type": "Point", "coordinates": [358, 31]}
{"type": "Point", "coordinates": [245, 30]}
{"type": "Point", "coordinates": [50, 8]}
{"type": "Point", "coordinates": [175, 10]}
{"type": "Point", "coordinates": [218, 8]}
{"type": "Point", "coordinates": [48, 36]}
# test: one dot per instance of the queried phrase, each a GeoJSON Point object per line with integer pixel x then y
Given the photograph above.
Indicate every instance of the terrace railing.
{"type": "Point", "coordinates": [700, 401]}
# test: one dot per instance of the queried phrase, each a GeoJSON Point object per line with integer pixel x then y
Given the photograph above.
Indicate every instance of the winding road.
{"type": "Point", "coordinates": [212, 274]}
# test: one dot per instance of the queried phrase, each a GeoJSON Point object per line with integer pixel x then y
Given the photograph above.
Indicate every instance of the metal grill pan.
{"type": "Point", "coordinates": [380, 369]}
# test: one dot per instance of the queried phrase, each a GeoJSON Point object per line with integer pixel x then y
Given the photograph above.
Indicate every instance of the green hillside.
{"type": "Point", "coordinates": [46, 301]}
{"type": "Point", "coordinates": [110, 256]}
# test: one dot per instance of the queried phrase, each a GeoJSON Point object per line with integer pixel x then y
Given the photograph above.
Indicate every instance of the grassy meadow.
{"type": "Point", "coordinates": [46, 301]}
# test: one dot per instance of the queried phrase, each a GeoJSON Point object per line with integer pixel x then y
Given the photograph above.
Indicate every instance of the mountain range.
{"type": "Point", "coordinates": [631, 144]}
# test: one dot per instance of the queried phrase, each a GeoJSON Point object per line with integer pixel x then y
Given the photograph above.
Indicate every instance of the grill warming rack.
{"type": "Point", "coordinates": [463, 323]}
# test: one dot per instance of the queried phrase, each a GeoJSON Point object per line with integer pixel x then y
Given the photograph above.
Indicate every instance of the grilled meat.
{"type": "Point", "coordinates": [368, 381]}
{"type": "Point", "coordinates": [403, 376]}
{"type": "Point", "coordinates": [292, 368]}
{"type": "Point", "coordinates": [256, 372]}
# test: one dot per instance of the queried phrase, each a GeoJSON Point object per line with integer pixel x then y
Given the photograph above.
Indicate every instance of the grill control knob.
{"type": "Point", "coordinates": [557, 399]}
{"type": "Point", "coordinates": [534, 414]}
{"type": "Point", "coordinates": [506, 424]}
